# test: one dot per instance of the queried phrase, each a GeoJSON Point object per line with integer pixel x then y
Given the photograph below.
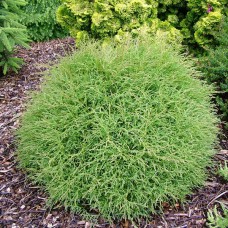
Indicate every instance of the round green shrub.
{"type": "Point", "coordinates": [119, 130]}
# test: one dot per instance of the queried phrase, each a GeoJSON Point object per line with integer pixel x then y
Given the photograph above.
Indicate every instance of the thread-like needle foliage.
{"type": "Point", "coordinates": [119, 130]}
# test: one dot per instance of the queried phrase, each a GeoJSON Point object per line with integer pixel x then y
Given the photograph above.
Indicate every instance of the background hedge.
{"type": "Point", "coordinates": [191, 20]}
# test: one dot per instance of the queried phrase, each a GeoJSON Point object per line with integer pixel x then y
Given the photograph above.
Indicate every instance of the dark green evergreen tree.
{"type": "Point", "coordinates": [12, 33]}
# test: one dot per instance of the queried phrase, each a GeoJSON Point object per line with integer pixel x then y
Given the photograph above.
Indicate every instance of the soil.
{"type": "Point", "coordinates": [23, 204]}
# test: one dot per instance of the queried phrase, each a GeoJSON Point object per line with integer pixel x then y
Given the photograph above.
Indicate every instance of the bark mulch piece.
{"type": "Point", "coordinates": [24, 205]}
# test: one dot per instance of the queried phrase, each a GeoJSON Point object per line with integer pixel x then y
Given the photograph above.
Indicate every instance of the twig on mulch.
{"type": "Point", "coordinates": [223, 193]}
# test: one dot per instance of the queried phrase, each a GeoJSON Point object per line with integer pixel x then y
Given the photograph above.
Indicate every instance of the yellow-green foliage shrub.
{"type": "Point", "coordinates": [193, 20]}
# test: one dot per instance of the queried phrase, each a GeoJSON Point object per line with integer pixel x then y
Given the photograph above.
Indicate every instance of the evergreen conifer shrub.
{"type": "Point", "coordinates": [119, 130]}
{"type": "Point", "coordinates": [12, 33]}
{"type": "Point", "coordinates": [215, 67]}
{"type": "Point", "coordinates": [40, 19]}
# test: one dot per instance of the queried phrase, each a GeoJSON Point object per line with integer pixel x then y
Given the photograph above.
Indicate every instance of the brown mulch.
{"type": "Point", "coordinates": [24, 205]}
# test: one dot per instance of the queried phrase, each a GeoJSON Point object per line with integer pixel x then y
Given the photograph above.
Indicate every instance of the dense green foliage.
{"type": "Point", "coordinates": [216, 219]}
{"type": "Point", "coordinates": [215, 67]}
{"type": "Point", "coordinates": [193, 20]}
{"type": "Point", "coordinates": [223, 172]}
{"type": "Point", "coordinates": [119, 130]}
{"type": "Point", "coordinates": [40, 19]}
{"type": "Point", "coordinates": [11, 33]}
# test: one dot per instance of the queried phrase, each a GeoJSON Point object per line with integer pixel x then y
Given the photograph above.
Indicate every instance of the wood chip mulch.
{"type": "Point", "coordinates": [24, 205]}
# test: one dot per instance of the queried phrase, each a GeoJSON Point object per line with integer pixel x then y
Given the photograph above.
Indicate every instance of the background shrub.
{"type": "Point", "coordinates": [215, 67]}
{"type": "Point", "coordinates": [12, 33]}
{"type": "Point", "coordinates": [119, 130]}
{"type": "Point", "coordinates": [40, 19]}
{"type": "Point", "coordinates": [193, 20]}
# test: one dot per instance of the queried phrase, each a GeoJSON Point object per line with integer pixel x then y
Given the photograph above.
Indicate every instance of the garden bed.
{"type": "Point", "coordinates": [24, 205]}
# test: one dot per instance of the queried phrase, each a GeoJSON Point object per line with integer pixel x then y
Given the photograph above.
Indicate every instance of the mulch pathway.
{"type": "Point", "coordinates": [24, 205]}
